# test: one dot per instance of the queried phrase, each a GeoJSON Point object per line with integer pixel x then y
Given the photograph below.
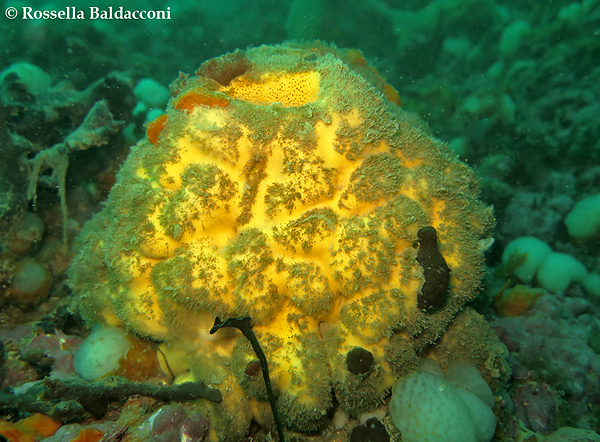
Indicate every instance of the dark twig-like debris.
{"type": "Point", "coordinates": [245, 326]}
{"type": "Point", "coordinates": [68, 400]}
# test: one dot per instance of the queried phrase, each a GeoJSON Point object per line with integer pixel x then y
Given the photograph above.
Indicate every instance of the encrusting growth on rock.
{"type": "Point", "coordinates": [94, 130]}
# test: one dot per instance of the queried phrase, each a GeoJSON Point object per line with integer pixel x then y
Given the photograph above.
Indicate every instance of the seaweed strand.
{"type": "Point", "coordinates": [245, 326]}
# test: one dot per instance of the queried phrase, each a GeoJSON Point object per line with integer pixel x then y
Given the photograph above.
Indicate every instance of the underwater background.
{"type": "Point", "coordinates": [513, 87]}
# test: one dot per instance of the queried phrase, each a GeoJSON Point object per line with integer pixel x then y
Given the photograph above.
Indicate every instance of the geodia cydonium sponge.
{"type": "Point", "coordinates": [285, 183]}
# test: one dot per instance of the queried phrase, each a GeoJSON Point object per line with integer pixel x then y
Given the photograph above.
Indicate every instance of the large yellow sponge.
{"type": "Point", "coordinates": [284, 185]}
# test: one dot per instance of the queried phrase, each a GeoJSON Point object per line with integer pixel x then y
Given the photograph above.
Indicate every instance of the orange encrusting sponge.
{"type": "Point", "coordinates": [196, 97]}
{"type": "Point", "coordinates": [88, 435]}
{"type": "Point", "coordinates": [29, 429]}
{"type": "Point", "coordinates": [517, 300]}
{"type": "Point", "coordinates": [155, 127]}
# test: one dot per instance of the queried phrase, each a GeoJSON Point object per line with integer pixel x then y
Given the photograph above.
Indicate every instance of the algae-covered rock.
{"type": "Point", "coordinates": [569, 434]}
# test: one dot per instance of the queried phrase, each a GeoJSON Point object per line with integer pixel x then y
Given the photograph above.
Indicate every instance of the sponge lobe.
{"type": "Point", "coordinates": [425, 408]}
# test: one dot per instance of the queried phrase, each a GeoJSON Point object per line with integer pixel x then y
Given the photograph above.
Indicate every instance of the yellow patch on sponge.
{"type": "Point", "coordinates": [290, 89]}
